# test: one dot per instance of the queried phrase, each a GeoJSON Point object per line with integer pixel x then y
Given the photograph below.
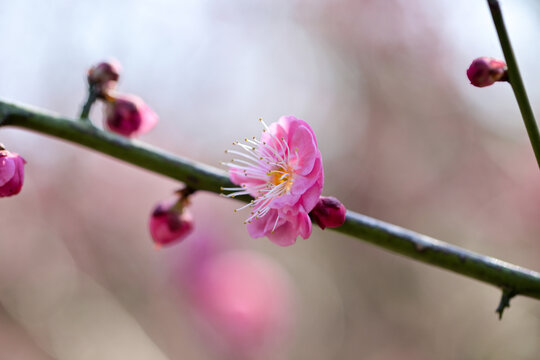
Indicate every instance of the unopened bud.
{"type": "Point", "coordinates": [485, 71]}
{"type": "Point", "coordinates": [329, 212]}
{"type": "Point", "coordinates": [11, 173]}
{"type": "Point", "coordinates": [170, 223]}
{"type": "Point", "coordinates": [104, 76]}
{"type": "Point", "coordinates": [128, 115]}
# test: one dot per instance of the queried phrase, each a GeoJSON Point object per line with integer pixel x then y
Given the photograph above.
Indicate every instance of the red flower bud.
{"type": "Point", "coordinates": [11, 173]}
{"type": "Point", "coordinates": [170, 223]}
{"type": "Point", "coordinates": [484, 71]}
{"type": "Point", "coordinates": [128, 115]}
{"type": "Point", "coordinates": [104, 76]}
{"type": "Point", "coordinates": [329, 212]}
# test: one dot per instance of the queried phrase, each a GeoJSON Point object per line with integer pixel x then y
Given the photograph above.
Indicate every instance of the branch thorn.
{"type": "Point", "coordinates": [506, 295]}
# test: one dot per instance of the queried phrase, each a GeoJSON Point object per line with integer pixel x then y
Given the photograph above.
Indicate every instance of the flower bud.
{"type": "Point", "coordinates": [170, 223]}
{"type": "Point", "coordinates": [11, 173]}
{"type": "Point", "coordinates": [128, 115]}
{"type": "Point", "coordinates": [329, 212]}
{"type": "Point", "coordinates": [104, 76]}
{"type": "Point", "coordinates": [484, 71]}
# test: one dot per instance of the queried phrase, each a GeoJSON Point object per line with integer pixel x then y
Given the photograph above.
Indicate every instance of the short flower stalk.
{"type": "Point", "coordinates": [102, 79]}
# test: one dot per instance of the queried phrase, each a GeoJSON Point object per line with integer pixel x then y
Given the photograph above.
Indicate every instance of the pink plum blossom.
{"type": "Point", "coordinates": [329, 212]}
{"type": "Point", "coordinates": [485, 71]}
{"type": "Point", "coordinates": [244, 302]}
{"type": "Point", "coordinates": [11, 173]}
{"type": "Point", "coordinates": [170, 223]}
{"type": "Point", "coordinates": [283, 172]}
{"type": "Point", "coordinates": [128, 115]}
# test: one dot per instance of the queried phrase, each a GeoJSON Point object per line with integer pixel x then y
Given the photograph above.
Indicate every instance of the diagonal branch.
{"type": "Point", "coordinates": [514, 78]}
{"type": "Point", "coordinates": [506, 276]}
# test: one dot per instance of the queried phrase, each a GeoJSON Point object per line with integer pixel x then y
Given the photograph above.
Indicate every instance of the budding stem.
{"type": "Point", "coordinates": [92, 97]}
{"type": "Point", "coordinates": [514, 78]}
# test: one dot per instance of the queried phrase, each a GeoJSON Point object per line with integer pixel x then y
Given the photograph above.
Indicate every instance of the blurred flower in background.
{"type": "Point", "coordinates": [243, 301]}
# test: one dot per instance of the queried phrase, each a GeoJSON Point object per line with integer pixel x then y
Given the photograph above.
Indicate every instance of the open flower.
{"type": "Point", "coordinates": [283, 173]}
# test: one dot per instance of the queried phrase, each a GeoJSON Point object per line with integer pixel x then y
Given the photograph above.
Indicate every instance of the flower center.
{"type": "Point", "coordinates": [279, 177]}
{"type": "Point", "coordinates": [268, 161]}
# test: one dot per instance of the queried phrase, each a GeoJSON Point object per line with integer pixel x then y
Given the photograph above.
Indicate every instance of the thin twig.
{"type": "Point", "coordinates": [90, 100]}
{"type": "Point", "coordinates": [515, 80]}
{"type": "Point", "coordinates": [203, 177]}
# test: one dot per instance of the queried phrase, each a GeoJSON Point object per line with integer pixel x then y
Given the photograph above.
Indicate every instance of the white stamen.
{"type": "Point", "coordinates": [267, 169]}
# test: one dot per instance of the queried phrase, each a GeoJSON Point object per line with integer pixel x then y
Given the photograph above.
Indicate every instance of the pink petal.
{"type": "Point", "coordinates": [149, 120]}
{"type": "Point", "coordinates": [7, 169]}
{"type": "Point", "coordinates": [259, 227]}
{"type": "Point", "coordinates": [304, 223]}
{"type": "Point", "coordinates": [303, 150]}
{"type": "Point", "coordinates": [311, 196]}
{"type": "Point", "coordinates": [278, 133]}
{"type": "Point", "coordinates": [284, 201]}
{"type": "Point", "coordinates": [285, 235]}
{"type": "Point", "coordinates": [291, 123]}
{"type": "Point", "coordinates": [302, 183]}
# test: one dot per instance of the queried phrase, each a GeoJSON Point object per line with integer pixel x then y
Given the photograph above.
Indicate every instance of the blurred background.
{"type": "Point", "coordinates": [405, 138]}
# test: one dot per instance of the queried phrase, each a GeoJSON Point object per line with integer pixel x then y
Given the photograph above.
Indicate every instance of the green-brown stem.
{"type": "Point", "coordinates": [90, 100]}
{"type": "Point", "coordinates": [514, 78]}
